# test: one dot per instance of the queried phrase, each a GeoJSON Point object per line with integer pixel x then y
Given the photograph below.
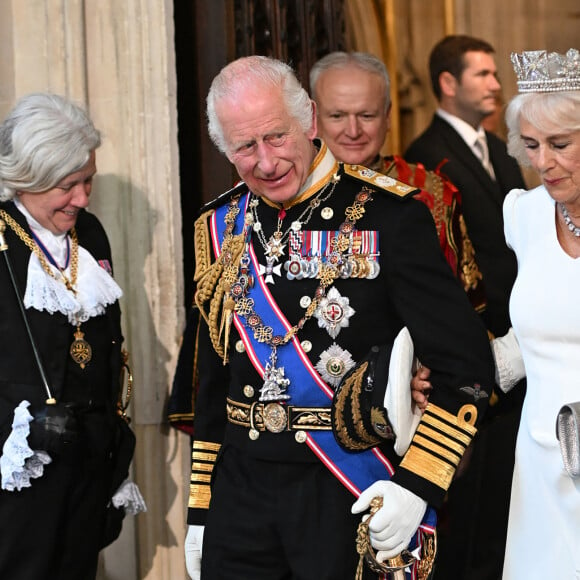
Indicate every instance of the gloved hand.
{"type": "Point", "coordinates": [394, 524]}
{"type": "Point", "coordinates": [54, 428]}
{"type": "Point", "coordinates": [193, 547]}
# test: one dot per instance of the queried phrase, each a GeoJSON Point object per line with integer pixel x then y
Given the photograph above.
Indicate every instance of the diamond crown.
{"type": "Point", "coordinates": [540, 71]}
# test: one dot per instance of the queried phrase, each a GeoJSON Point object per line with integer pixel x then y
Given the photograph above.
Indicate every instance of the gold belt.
{"type": "Point", "coordinates": [276, 418]}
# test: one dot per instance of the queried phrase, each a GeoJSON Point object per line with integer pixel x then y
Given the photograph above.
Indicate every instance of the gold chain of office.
{"type": "Point", "coordinates": [327, 274]}
{"type": "Point", "coordinates": [80, 350]}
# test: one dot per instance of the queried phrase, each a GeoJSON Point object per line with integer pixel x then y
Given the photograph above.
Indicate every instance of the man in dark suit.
{"type": "Point", "coordinates": [464, 79]}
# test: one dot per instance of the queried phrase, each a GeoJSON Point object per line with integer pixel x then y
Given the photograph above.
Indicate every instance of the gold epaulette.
{"type": "Point", "coordinates": [203, 458]}
{"type": "Point", "coordinates": [202, 245]}
{"type": "Point", "coordinates": [389, 184]}
{"type": "Point", "coordinates": [439, 443]}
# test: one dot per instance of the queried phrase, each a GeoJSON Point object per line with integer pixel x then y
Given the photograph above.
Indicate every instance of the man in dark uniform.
{"type": "Point", "coordinates": [464, 80]}
{"type": "Point", "coordinates": [306, 272]}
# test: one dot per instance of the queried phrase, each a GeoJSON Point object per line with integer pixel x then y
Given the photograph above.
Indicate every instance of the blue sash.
{"type": "Point", "coordinates": [356, 471]}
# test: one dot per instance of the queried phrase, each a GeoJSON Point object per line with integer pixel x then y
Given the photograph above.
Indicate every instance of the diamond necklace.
{"type": "Point", "coordinates": [568, 221]}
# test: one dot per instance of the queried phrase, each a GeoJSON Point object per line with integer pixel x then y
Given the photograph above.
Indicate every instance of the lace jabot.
{"type": "Point", "coordinates": [95, 287]}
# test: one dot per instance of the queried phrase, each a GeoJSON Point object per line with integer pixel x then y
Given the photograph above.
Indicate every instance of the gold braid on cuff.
{"type": "Point", "coordinates": [439, 443]}
{"type": "Point", "coordinates": [203, 458]}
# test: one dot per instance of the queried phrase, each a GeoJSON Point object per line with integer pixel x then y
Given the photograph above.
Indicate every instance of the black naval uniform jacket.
{"type": "Point", "coordinates": [40, 518]}
{"type": "Point", "coordinates": [415, 288]}
{"type": "Point", "coordinates": [482, 202]}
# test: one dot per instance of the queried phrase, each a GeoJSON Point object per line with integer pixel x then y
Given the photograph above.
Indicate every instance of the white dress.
{"type": "Point", "coordinates": [544, 521]}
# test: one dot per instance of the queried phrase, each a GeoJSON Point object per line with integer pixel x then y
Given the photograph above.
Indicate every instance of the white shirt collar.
{"type": "Point", "coordinates": [465, 130]}
{"type": "Point", "coordinates": [323, 165]}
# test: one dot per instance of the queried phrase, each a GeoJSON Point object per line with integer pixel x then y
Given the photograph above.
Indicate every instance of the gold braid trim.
{"type": "Point", "coordinates": [201, 240]}
{"type": "Point", "coordinates": [214, 280]}
{"type": "Point", "coordinates": [203, 456]}
{"type": "Point", "coordinates": [439, 443]}
{"type": "Point", "coordinates": [366, 437]}
{"type": "Point", "coordinates": [470, 273]}
{"type": "Point", "coordinates": [215, 308]}
{"type": "Point", "coordinates": [440, 212]}
{"type": "Point", "coordinates": [340, 427]}
{"type": "Point", "coordinates": [206, 273]}
{"type": "Point", "coordinates": [221, 308]}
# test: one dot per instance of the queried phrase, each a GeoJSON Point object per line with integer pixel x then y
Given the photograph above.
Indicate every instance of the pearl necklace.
{"type": "Point", "coordinates": [568, 221]}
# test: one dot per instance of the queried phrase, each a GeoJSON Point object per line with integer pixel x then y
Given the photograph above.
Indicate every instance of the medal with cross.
{"type": "Point", "coordinates": [333, 312]}
{"type": "Point", "coordinates": [270, 269]}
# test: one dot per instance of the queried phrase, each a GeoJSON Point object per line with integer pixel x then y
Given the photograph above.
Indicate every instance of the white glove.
{"type": "Point", "coordinates": [193, 546]}
{"type": "Point", "coordinates": [509, 364]}
{"type": "Point", "coordinates": [393, 526]}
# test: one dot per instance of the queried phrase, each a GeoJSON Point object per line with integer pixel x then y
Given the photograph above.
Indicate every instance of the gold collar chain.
{"type": "Point", "coordinates": [275, 382]}
{"type": "Point", "coordinates": [80, 350]}
{"type": "Point", "coordinates": [327, 274]}
{"type": "Point", "coordinates": [70, 283]}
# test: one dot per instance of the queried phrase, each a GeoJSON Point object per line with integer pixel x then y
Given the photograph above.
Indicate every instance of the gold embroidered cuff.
{"type": "Point", "coordinates": [439, 443]}
{"type": "Point", "coordinates": [357, 423]}
{"type": "Point", "coordinates": [203, 457]}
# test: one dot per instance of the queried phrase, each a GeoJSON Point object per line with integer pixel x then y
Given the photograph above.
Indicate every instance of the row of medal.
{"type": "Point", "coordinates": [311, 249]}
{"type": "Point", "coordinates": [354, 266]}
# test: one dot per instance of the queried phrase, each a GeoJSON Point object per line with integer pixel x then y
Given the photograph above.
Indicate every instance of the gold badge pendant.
{"type": "Point", "coordinates": [80, 349]}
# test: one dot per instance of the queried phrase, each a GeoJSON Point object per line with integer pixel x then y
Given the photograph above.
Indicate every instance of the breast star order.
{"type": "Point", "coordinates": [333, 312]}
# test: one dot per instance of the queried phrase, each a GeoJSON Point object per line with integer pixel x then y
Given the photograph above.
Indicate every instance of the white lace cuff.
{"type": "Point", "coordinates": [18, 463]}
{"type": "Point", "coordinates": [509, 364]}
{"type": "Point", "coordinates": [129, 497]}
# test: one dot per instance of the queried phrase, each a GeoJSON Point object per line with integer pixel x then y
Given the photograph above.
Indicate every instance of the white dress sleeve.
{"type": "Point", "coordinates": [510, 221]}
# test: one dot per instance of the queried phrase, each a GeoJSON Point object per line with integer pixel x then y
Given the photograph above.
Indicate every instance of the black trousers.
{"type": "Point", "coordinates": [278, 521]}
{"type": "Point", "coordinates": [53, 529]}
